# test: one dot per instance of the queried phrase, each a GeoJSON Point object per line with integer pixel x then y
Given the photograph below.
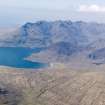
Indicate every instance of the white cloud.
{"type": "Point", "coordinates": [91, 8]}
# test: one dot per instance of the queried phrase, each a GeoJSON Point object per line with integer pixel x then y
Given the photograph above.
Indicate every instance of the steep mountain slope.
{"type": "Point", "coordinates": [52, 87]}
{"type": "Point", "coordinates": [58, 52]}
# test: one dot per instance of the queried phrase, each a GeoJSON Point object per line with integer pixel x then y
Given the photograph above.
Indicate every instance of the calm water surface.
{"type": "Point", "coordinates": [14, 57]}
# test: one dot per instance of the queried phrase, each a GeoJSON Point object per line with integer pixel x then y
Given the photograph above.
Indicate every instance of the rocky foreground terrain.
{"type": "Point", "coordinates": [52, 87]}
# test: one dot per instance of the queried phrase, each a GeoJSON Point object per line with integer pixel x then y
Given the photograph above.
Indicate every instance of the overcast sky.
{"type": "Point", "coordinates": [16, 12]}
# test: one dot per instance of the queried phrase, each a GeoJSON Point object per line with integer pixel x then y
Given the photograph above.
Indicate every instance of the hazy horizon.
{"type": "Point", "coordinates": [18, 12]}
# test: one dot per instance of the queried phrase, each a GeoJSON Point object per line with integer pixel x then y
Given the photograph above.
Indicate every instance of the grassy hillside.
{"type": "Point", "coordinates": [52, 87]}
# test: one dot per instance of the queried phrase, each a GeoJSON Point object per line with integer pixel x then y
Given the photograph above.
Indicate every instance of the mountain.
{"type": "Point", "coordinates": [74, 44]}
{"type": "Point", "coordinates": [43, 33]}
{"type": "Point", "coordinates": [61, 39]}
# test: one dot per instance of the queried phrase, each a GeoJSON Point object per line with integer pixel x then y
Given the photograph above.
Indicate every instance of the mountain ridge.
{"type": "Point", "coordinates": [46, 33]}
{"type": "Point", "coordinates": [59, 38]}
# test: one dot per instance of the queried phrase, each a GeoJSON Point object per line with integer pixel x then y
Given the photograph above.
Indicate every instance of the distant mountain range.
{"type": "Point", "coordinates": [61, 39]}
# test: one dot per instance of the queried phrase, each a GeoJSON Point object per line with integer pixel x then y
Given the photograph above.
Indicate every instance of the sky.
{"type": "Point", "coordinates": [18, 12]}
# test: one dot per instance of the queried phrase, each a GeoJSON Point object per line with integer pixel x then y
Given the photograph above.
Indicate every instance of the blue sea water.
{"type": "Point", "coordinates": [15, 57]}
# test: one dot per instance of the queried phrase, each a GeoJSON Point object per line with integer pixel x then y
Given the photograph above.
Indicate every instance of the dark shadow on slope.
{"type": "Point", "coordinates": [9, 95]}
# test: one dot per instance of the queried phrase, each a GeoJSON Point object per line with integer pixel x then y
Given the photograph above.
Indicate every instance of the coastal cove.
{"type": "Point", "coordinates": [15, 57]}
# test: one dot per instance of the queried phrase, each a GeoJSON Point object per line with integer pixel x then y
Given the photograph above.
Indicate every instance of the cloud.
{"type": "Point", "coordinates": [91, 8]}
